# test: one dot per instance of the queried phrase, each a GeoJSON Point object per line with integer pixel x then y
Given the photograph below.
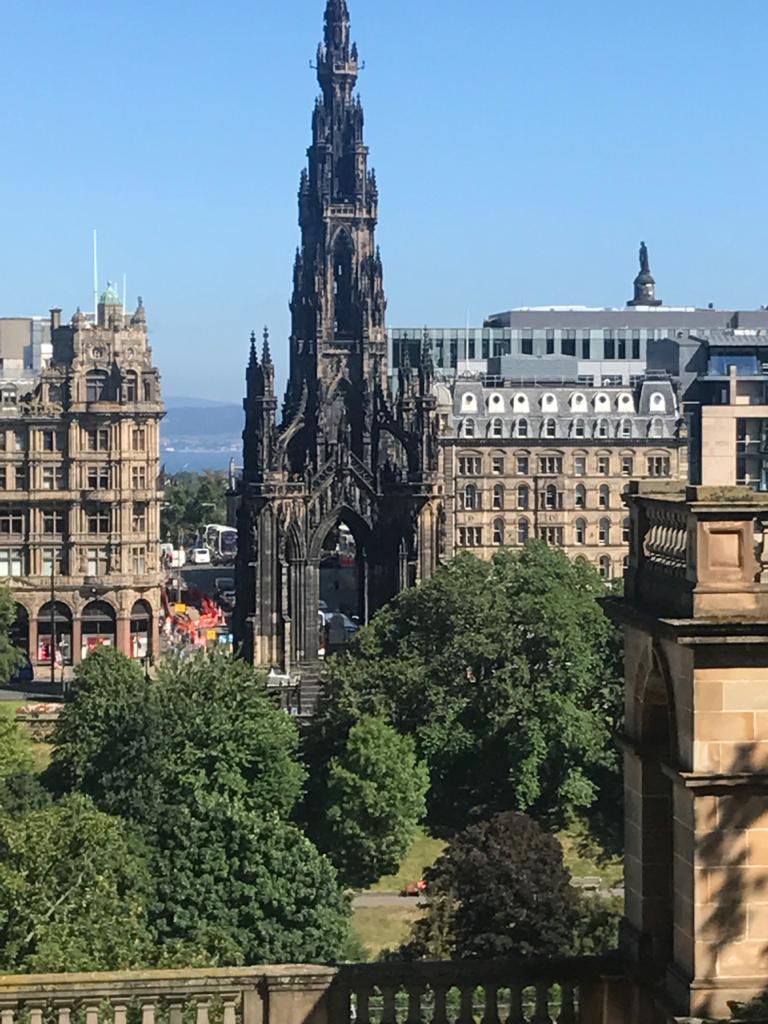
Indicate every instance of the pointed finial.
{"type": "Point", "coordinates": [266, 356]}
{"type": "Point", "coordinates": [254, 361]}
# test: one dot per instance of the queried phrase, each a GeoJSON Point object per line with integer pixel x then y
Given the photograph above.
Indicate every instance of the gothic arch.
{"type": "Point", "coordinates": [294, 546]}
{"type": "Point", "coordinates": [360, 529]}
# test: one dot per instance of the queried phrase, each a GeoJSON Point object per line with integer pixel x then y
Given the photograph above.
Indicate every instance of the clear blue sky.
{"type": "Point", "coordinates": [523, 148]}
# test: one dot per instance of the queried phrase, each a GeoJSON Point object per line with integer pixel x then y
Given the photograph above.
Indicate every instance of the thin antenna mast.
{"type": "Point", "coordinates": [95, 275]}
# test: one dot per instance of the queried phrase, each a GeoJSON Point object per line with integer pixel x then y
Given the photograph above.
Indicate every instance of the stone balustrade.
{"type": "Point", "coordinates": [698, 552]}
{"type": "Point", "coordinates": [558, 991]}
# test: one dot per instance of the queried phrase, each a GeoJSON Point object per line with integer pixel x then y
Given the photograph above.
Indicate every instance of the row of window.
{"type": "Point", "coordinates": [548, 402]}
{"type": "Point", "coordinates": [15, 562]}
{"type": "Point", "coordinates": [52, 440]}
{"type": "Point", "coordinates": [550, 497]}
{"type": "Point", "coordinates": [100, 387]}
{"type": "Point", "coordinates": [576, 428]}
{"type": "Point", "coordinates": [472, 536]}
{"type": "Point", "coordinates": [552, 465]}
{"type": "Point", "coordinates": [54, 521]}
{"type": "Point", "coordinates": [53, 477]}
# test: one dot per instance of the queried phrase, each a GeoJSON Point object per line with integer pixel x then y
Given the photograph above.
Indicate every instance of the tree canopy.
{"type": "Point", "coordinates": [75, 890]}
{"type": "Point", "coordinates": [371, 803]}
{"type": "Point", "coordinates": [506, 673]}
{"type": "Point", "coordinates": [205, 766]}
{"type": "Point", "coordinates": [509, 888]}
{"type": "Point", "coordinates": [11, 658]}
{"type": "Point", "coordinates": [192, 500]}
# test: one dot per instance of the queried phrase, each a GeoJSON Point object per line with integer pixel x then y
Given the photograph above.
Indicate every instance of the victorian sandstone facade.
{"type": "Point", "coordinates": [80, 492]}
{"type": "Point", "coordinates": [553, 462]}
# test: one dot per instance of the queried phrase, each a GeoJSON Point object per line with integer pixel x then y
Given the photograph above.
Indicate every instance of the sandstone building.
{"type": "Point", "coordinates": [80, 492]}
{"type": "Point", "coordinates": [553, 462]}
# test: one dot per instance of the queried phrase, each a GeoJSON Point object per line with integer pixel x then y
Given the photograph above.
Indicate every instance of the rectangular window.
{"type": "Point", "coordinates": [19, 441]}
{"type": "Point", "coordinates": [523, 465]}
{"type": "Point", "coordinates": [49, 440]}
{"type": "Point", "coordinates": [20, 473]}
{"type": "Point", "coordinates": [550, 343]}
{"type": "Point", "coordinates": [497, 465]}
{"type": "Point", "coordinates": [139, 519]}
{"type": "Point", "coordinates": [550, 465]}
{"type": "Point", "coordinates": [98, 440]}
{"type": "Point", "coordinates": [99, 519]}
{"type": "Point", "coordinates": [139, 478]}
{"type": "Point", "coordinates": [138, 439]}
{"type": "Point", "coordinates": [11, 522]}
{"type": "Point", "coordinates": [603, 465]}
{"type": "Point", "coordinates": [552, 535]}
{"type": "Point", "coordinates": [635, 344]}
{"type": "Point", "coordinates": [3, 478]}
{"type": "Point", "coordinates": [627, 465]}
{"type": "Point", "coordinates": [53, 522]}
{"type": "Point", "coordinates": [2, 440]}
{"type": "Point", "coordinates": [609, 347]}
{"type": "Point", "coordinates": [470, 537]}
{"type": "Point", "coordinates": [586, 346]}
{"type": "Point", "coordinates": [98, 478]}
{"type": "Point", "coordinates": [139, 561]}
{"type": "Point", "coordinates": [53, 562]}
{"type": "Point", "coordinates": [52, 478]}
{"type": "Point", "coordinates": [659, 465]}
{"type": "Point", "coordinates": [469, 465]}
{"type": "Point", "coordinates": [97, 561]}
{"type": "Point", "coordinates": [526, 344]}
{"type": "Point", "coordinates": [622, 348]}
{"type": "Point", "coordinates": [11, 562]}
{"type": "Point", "coordinates": [568, 343]}
{"type": "Point", "coordinates": [579, 465]}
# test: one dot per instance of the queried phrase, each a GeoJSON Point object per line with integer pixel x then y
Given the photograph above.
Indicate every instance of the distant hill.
{"type": "Point", "coordinates": [177, 402]}
{"type": "Point", "coordinates": [202, 421]}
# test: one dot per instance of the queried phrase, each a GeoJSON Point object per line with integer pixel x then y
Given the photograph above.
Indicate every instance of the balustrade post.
{"type": "Point", "coordinates": [541, 1013]}
{"type": "Point", "coordinates": [299, 997]}
{"type": "Point", "coordinates": [91, 1014]}
{"type": "Point", "coordinates": [6, 1014]}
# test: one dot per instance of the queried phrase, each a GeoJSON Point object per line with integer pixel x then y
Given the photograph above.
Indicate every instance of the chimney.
{"type": "Point", "coordinates": [55, 319]}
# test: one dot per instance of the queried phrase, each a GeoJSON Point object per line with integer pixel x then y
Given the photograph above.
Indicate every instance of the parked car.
{"type": "Point", "coordinates": [224, 592]}
{"type": "Point", "coordinates": [200, 556]}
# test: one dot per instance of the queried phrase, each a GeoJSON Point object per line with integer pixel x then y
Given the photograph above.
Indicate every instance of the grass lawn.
{"type": "Point", "coordinates": [41, 752]}
{"type": "Point", "coordinates": [584, 859]}
{"type": "Point", "coordinates": [380, 928]}
{"type": "Point", "coordinates": [422, 854]}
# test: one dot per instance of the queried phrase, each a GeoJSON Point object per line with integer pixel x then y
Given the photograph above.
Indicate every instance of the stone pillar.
{"type": "Point", "coordinates": [696, 749]}
{"type": "Point", "coordinates": [123, 636]}
{"type": "Point", "coordinates": [77, 640]}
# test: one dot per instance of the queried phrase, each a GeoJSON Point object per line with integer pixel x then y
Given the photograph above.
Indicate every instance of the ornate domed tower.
{"type": "Point", "coordinates": [337, 503]}
{"type": "Point", "coordinates": [645, 285]}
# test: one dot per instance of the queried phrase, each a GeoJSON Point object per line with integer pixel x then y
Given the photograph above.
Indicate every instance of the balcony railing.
{"type": "Point", "coordinates": [575, 991]}
{"type": "Point", "coordinates": [698, 552]}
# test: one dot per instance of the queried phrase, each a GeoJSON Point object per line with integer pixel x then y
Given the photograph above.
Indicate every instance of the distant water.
{"type": "Point", "coordinates": [196, 462]}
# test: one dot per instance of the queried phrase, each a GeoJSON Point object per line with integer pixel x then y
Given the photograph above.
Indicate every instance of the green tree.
{"type": "Point", "coordinates": [507, 675]}
{"type": "Point", "coordinates": [74, 891]}
{"type": "Point", "coordinates": [11, 658]}
{"type": "Point", "coordinates": [192, 500]}
{"type": "Point", "coordinates": [205, 765]}
{"type": "Point", "coordinates": [373, 803]}
{"type": "Point", "coordinates": [510, 891]}
{"type": "Point", "coordinates": [15, 755]}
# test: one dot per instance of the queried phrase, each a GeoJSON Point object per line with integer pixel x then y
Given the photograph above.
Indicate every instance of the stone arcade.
{"type": "Point", "coordinates": [352, 468]}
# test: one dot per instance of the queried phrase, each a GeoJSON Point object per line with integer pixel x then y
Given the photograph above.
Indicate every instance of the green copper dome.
{"type": "Point", "coordinates": [110, 296]}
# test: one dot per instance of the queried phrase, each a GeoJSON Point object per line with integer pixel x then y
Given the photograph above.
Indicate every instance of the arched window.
{"type": "Point", "coordinates": [54, 642]}
{"type": "Point", "coordinates": [656, 428]}
{"type": "Point", "coordinates": [496, 403]}
{"type": "Point", "coordinates": [497, 428]}
{"type": "Point", "coordinates": [523, 496]}
{"type": "Point", "coordinates": [343, 252]}
{"type": "Point", "coordinates": [625, 429]}
{"type": "Point", "coordinates": [580, 496]}
{"type": "Point", "coordinates": [580, 531]}
{"type": "Point", "coordinates": [604, 531]}
{"type": "Point", "coordinates": [604, 496]}
{"type": "Point", "coordinates": [658, 402]}
{"type": "Point", "coordinates": [579, 428]}
{"type": "Point", "coordinates": [468, 403]}
{"type": "Point", "coordinates": [578, 403]}
{"type": "Point", "coordinates": [605, 567]}
{"type": "Point", "coordinates": [471, 498]}
{"type": "Point", "coordinates": [549, 403]}
{"type": "Point", "coordinates": [521, 428]}
{"type": "Point", "coordinates": [498, 496]}
{"type": "Point", "coordinates": [602, 402]}
{"type": "Point", "coordinates": [498, 531]}
{"type": "Point", "coordinates": [95, 386]}
{"type": "Point", "coordinates": [469, 428]}
{"type": "Point", "coordinates": [549, 428]}
{"type": "Point", "coordinates": [131, 386]}
{"type": "Point", "coordinates": [141, 630]}
{"type": "Point", "coordinates": [98, 627]}
{"type": "Point", "coordinates": [601, 428]}
{"type": "Point", "coordinates": [520, 403]}
{"type": "Point", "coordinates": [550, 496]}
{"type": "Point", "coordinates": [523, 531]}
